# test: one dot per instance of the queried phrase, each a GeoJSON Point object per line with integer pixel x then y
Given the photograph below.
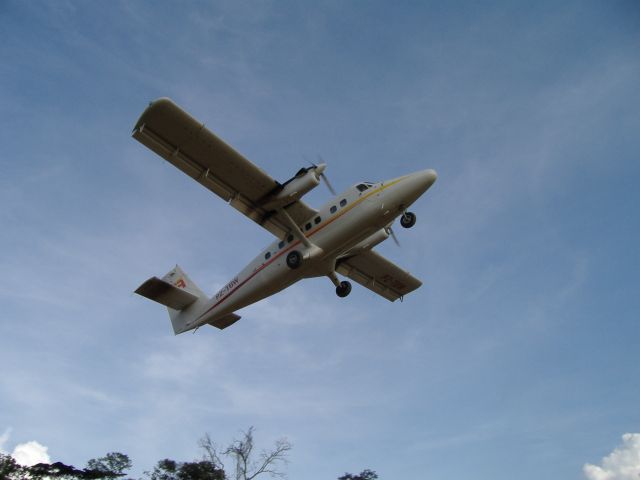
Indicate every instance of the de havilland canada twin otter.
{"type": "Point", "coordinates": [336, 239]}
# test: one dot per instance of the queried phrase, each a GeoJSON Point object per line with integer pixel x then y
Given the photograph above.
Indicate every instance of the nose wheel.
{"type": "Point", "coordinates": [408, 219]}
{"type": "Point", "coordinates": [343, 289]}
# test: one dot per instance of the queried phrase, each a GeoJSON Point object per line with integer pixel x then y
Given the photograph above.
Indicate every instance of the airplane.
{"type": "Point", "coordinates": [336, 239]}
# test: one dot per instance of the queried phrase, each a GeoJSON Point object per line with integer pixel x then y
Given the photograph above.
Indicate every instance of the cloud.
{"type": "Point", "coordinates": [621, 464]}
{"type": "Point", "coordinates": [4, 438]}
{"type": "Point", "coordinates": [28, 453]}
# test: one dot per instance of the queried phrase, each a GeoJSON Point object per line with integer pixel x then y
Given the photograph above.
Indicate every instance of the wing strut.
{"type": "Point", "coordinates": [294, 228]}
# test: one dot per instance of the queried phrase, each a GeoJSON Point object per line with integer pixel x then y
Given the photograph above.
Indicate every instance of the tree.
{"type": "Point", "coordinates": [106, 468]}
{"type": "Point", "coordinates": [9, 468]}
{"type": "Point", "coordinates": [57, 470]}
{"type": "Point", "coordinates": [112, 465]}
{"type": "Point", "coordinates": [171, 470]}
{"type": "Point", "coordinates": [241, 453]}
{"type": "Point", "coordinates": [363, 475]}
{"type": "Point", "coordinates": [202, 470]}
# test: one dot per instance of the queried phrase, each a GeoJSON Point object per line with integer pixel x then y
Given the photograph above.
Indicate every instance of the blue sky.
{"type": "Point", "coordinates": [518, 358]}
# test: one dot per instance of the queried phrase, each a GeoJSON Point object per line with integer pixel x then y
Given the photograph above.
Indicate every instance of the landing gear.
{"type": "Point", "coordinates": [294, 260]}
{"type": "Point", "coordinates": [408, 219]}
{"type": "Point", "coordinates": [343, 289]}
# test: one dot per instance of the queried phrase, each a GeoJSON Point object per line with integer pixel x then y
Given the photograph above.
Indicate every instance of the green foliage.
{"type": "Point", "coordinates": [9, 468]}
{"type": "Point", "coordinates": [171, 470]}
{"type": "Point", "coordinates": [57, 470]}
{"type": "Point", "coordinates": [112, 465]}
{"type": "Point", "coordinates": [363, 475]}
{"type": "Point", "coordinates": [109, 467]}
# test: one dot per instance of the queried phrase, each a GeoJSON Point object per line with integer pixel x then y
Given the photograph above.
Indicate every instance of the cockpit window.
{"type": "Point", "coordinates": [362, 187]}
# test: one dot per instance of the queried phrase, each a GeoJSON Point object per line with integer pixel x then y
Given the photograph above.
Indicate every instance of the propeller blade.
{"type": "Point", "coordinates": [320, 171]}
{"type": "Point", "coordinates": [313, 165]}
{"type": "Point", "coordinates": [393, 235]}
{"type": "Point", "coordinates": [326, 181]}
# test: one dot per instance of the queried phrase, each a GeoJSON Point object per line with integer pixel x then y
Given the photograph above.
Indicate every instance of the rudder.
{"type": "Point", "coordinates": [176, 291]}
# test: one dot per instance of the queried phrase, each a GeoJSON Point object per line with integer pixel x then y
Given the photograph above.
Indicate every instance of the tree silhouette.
{"type": "Point", "coordinates": [248, 465]}
{"type": "Point", "coordinates": [363, 475]}
{"type": "Point", "coordinates": [171, 470]}
{"type": "Point", "coordinates": [110, 467]}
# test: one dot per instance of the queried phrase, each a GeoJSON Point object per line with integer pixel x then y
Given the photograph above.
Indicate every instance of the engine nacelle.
{"type": "Point", "coordinates": [370, 242]}
{"type": "Point", "coordinates": [294, 189]}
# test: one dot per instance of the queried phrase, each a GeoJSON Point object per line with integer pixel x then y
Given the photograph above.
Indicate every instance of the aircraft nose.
{"type": "Point", "coordinates": [421, 181]}
{"type": "Point", "coordinates": [415, 184]}
{"type": "Point", "coordinates": [427, 177]}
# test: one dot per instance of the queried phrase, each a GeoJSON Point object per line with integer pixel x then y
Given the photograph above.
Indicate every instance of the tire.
{"type": "Point", "coordinates": [344, 289]}
{"type": "Point", "coordinates": [294, 260]}
{"type": "Point", "coordinates": [408, 220]}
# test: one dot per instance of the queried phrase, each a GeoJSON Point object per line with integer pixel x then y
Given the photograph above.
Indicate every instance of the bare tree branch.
{"type": "Point", "coordinates": [241, 452]}
{"type": "Point", "coordinates": [211, 451]}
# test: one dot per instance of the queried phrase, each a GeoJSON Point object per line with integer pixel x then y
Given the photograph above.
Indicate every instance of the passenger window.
{"type": "Point", "coordinates": [307, 226]}
{"type": "Point", "coordinates": [317, 220]}
{"type": "Point", "coordinates": [343, 202]}
{"type": "Point", "coordinates": [281, 244]}
{"type": "Point", "coordinates": [290, 238]}
{"type": "Point", "coordinates": [333, 209]}
{"type": "Point", "coordinates": [267, 255]}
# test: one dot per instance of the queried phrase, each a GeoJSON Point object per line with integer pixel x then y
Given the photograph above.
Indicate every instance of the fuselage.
{"type": "Point", "coordinates": [353, 221]}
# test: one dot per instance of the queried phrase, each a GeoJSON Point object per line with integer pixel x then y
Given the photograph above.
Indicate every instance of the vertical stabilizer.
{"type": "Point", "coordinates": [179, 294]}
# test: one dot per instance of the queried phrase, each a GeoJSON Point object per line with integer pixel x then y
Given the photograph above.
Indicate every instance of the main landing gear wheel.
{"type": "Point", "coordinates": [343, 289]}
{"type": "Point", "coordinates": [408, 219]}
{"type": "Point", "coordinates": [294, 260]}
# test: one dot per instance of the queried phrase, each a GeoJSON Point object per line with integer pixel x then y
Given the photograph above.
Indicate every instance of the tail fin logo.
{"type": "Point", "coordinates": [180, 283]}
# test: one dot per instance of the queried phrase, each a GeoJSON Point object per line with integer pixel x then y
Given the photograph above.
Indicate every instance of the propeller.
{"type": "Point", "coordinates": [393, 235]}
{"type": "Point", "coordinates": [319, 171]}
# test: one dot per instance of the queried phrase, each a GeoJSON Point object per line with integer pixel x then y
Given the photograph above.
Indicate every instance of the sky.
{"type": "Point", "coordinates": [517, 358]}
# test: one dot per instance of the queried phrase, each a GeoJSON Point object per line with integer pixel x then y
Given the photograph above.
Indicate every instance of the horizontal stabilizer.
{"type": "Point", "coordinates": [166, 294]}
{"type": "Point", "coordinates": [225, 321]}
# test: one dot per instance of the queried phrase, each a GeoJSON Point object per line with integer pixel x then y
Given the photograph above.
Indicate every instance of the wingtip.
{"type": "Point", "coordinates": [153, 105]}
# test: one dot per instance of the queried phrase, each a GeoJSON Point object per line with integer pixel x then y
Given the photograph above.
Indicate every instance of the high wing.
{"type": "Point", "coordinates": [184, 142]}
{"type": "Point", "coordinates": [373, 271]}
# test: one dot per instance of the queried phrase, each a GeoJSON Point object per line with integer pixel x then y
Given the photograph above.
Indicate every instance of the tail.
{"type": "Point", "coordinates": [179, 294]}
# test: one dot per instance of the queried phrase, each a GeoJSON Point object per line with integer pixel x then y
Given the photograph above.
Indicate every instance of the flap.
{"type": "Point", "coordinates": [375, 272]}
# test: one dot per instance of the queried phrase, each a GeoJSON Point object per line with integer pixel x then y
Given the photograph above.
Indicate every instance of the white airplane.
{"type": "Point", "coordinates": [337, 238]}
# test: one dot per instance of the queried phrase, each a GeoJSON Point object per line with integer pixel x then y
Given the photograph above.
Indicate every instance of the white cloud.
{"type": "Point", "coordinates": [28, 453]}
{"type": "Point", "coordinates": [621, 464]}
